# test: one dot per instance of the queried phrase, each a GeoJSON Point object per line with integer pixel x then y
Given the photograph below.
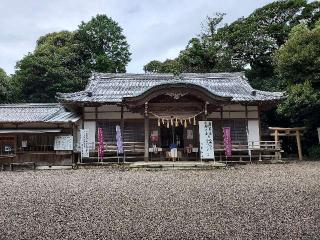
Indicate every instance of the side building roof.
{"type": "Point", "coordinates": [36, 112]}
{"type": "Point", "coordinates": [113, 88]}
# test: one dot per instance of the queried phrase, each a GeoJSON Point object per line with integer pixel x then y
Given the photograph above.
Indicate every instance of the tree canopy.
{"type": "Point", "coordinates": [298, 60]}
{"type": "Point", "coordinates": [297, 63]}
{"type": "Point", "coordinates": [3, 86]}
{"type": "Point", "coordinates": [58, 64]}
{"type": "Point", "coordinates": [247, 44]}
{"type": "Point", "coordinates": [106, 44]}
{"type": "Point", "coordinates": [62, 61]}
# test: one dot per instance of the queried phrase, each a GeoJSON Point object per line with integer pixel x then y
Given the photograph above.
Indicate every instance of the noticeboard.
{"type": "Point", "coordinates": [63, 143]}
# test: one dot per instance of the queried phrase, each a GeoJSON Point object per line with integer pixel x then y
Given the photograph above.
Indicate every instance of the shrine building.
{"type": "Point", "coordinates": [152, 110]}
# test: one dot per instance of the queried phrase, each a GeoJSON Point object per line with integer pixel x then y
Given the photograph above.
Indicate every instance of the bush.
{"type": "Point", "coordinates": [314, 152]}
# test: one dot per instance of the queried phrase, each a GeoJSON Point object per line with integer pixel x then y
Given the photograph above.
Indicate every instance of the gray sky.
{"type": "Point", "coordinates": [155, 29]}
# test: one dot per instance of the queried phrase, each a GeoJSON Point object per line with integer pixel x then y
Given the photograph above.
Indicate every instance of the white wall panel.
{"type": "Point", "coordinates": [254, 132]}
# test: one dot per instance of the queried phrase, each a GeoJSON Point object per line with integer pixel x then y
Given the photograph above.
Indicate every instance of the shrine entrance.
{"type": "Point", "coordinates": [171, 114]}
{"type": "Point", "coordinates": [172, 135]}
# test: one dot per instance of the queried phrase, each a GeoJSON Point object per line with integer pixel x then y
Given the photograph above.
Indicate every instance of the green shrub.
{"type": "Point", "coordinates": [314, 152]}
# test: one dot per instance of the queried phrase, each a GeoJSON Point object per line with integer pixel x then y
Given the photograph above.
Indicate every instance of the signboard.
{"type": "Point", "coordinates": [84, 147]}
{"type": "Point", "coordinates": [227, 141]}
{"type": "Point", "coordinates": [63, 143]}
{"type": "Point", "coordinates": [206, 140]}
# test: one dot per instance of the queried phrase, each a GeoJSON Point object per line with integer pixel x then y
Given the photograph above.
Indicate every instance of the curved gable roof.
{"type": "Point", "coordinates": [113, 88]}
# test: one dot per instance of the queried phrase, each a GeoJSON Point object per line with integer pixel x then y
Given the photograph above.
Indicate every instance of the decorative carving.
{"type": "Point", "coordinates": [176, 94]}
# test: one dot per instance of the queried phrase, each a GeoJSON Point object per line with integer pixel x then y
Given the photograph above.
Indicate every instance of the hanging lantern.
{"type": "Point", "coordinates": [162, 121]}
{"type": "Point", "coordinates": [171, 121]}
{"type": "Point", "coordinates": [176, 122]}
{"type": "Point", "coordinates": [167, 123]}
{"type": "Point", "coordinates": [185, 123]}
{"type": "Point", "coordinates": [194, 121]}
{"type": "Point", "coordinates": [181, 121]}
{"type": "Point", "coordinates": [159, 122]}
{"type": "Point", "coordinates": [189, 120]}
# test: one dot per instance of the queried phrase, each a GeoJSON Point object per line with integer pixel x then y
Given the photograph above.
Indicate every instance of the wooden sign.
{"type": "Point", "coordinates": [63, 143]}
{"type": "Point", "coordinates": [84, 146]}
{"type": "Point", "coordinates": [206, 140]}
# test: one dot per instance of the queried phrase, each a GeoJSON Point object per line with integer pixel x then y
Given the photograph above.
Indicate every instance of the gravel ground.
{"type": "Point", "coordinates": [247, 202]}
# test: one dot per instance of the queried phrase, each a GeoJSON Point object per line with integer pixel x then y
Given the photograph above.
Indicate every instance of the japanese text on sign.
{"type": "Point", "coordinates": [206, 140]}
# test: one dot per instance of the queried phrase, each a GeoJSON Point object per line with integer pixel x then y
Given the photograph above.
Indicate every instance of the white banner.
{"type": "Point", "coordinates": [84, 135]}
{"type": "Point", "coordinates": [63, 143]}
{"type": "Point", "coordinates": [206, 140]}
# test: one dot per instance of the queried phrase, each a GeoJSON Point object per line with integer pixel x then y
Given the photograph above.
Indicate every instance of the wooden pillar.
{"type": "Point", "coordinates": [276, 136]}
{"type": "Point", "coordinates": [146, 133]}
{"type": "Point", "coordinates": [298, 136]}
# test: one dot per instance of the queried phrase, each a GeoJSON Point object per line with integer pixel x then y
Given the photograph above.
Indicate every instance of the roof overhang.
{"type": "Point", "coordinates": [176, 90]}
{"type": "Point", "coordinates": [26, 130]}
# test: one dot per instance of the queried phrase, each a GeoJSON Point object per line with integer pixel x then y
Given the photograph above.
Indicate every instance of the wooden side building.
{"type": "Point", "coordinates": [28, 133]}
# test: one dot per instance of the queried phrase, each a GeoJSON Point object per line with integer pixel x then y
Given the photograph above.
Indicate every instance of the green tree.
{"type": "Point", "coordinates": [106, 44]}
{"type": "Point", "coordinates": [202, 54]}
{"type": "Point", "coordinates": [167, 66]}
{"type": "Point", "coordinates": [63, 61]}
{"type": "Point", "coordinates": [153, 67]}
{"type": "Point", "coordinates": [58, 64]}
{"type": "Point", "coordinates": [298, 60]}
{"type": "Point", "coordinates": [253, 40]}
{"type": "Point", "coordinates": [303, 102]}
{"type": "Point", "coordinates": [3, 86]}
{"type": "Point", "coordinates": [297, 64]}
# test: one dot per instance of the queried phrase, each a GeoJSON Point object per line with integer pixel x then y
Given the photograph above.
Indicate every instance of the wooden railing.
{"type": "Point", "coordinates": [240, 150]}
{"type": "Point", "coordinates": [111, 147]}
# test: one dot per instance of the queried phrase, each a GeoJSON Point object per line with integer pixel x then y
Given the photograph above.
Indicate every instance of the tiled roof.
{"type": "Point", "coordinates": [104, 88]}
{"type": "Point", "coordinates": [49, 112]}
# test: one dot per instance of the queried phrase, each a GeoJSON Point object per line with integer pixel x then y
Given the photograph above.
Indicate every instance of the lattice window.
{"type": "Point", "coordinates": [238, 129]}
{"type": "Point", "coordinates": [133, 131]}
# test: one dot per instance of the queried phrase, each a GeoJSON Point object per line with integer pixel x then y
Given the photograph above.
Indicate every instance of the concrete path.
{"type": "Point", "coordinates": [178, 164]}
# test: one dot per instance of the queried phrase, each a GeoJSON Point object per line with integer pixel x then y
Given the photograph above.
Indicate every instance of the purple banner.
{"type": "Point", "coordinates": [227, 141]}
{"type": "Point", "coordinates": [101, 145]}
{"type": "Point", "coordinates": [119, 140]}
